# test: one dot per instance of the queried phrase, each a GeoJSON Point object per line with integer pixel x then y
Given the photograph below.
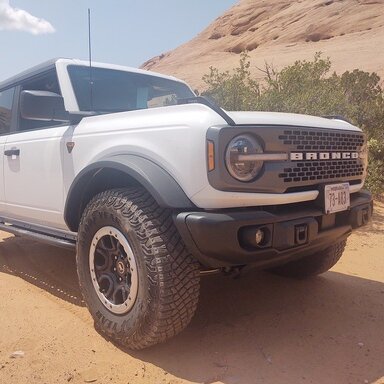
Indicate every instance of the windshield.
{"type": "Point", "coordinates": [114, 90]}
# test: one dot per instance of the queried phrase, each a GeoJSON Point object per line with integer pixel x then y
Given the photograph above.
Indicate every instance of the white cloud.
{"type": "Point", "coordinates": [20, 20]}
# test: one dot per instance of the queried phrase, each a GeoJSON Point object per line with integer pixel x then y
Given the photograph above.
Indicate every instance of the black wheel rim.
{"type": "Point", "coordinates": [113, 270]}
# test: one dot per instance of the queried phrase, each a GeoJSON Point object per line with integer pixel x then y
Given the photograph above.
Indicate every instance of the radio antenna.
{"type": "Point", "coordinates": [90, 61]}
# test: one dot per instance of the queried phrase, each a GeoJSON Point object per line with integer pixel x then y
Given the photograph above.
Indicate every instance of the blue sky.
{"type": "Point", "coordinates": [123, 32]}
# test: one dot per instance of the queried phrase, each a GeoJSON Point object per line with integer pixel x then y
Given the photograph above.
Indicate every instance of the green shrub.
{"type": "Point", "coordinates": [236, 90]}
{"type": "Point", "coordinates": [375, 176]}
{"type": "Point", "coordinates": [304, 87]}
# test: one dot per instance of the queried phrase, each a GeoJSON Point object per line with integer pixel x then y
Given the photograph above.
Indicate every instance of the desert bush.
{"type": "Point", "coordinates": [375, 176]}
{"type": "Point", "coordinates": [303, 87]}
{"type": "Point", "coordinates": [364, 98]}
{"type": "Point", "coordinates": [234, 90]}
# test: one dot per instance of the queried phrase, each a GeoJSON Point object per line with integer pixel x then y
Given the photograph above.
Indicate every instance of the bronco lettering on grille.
{"type": "Point", "coordinates": [323, 155]}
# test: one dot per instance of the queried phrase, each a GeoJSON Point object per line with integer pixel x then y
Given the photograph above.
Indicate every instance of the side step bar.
{"type": "Point", "coordinates": [41, 237]}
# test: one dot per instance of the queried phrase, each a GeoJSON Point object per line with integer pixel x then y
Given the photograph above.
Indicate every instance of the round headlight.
{"type": "Point", "coordinates": [238, 158]}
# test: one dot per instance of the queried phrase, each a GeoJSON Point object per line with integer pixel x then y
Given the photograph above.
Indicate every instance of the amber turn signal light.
{"type": "Point", "coordinates": [211, 155]}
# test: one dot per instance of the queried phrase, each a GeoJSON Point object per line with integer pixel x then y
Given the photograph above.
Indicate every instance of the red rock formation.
{"type": "Point", "coordinates": [350, 32]}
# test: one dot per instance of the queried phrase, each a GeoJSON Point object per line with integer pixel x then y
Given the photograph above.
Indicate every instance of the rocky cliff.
{"type": "Point", "coordinates": [350, 32]}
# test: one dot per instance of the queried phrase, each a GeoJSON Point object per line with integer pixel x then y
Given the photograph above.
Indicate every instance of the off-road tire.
{"type": "Point", "coordinates": [312, 265]}
{"type": "Point", "coordinates": [167, 274]}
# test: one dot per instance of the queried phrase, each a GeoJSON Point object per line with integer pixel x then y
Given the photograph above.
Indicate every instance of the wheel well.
{"type": "Point", "coordinates": [92, 183]}
{"type": "Point", "coordinates": [122, 171]}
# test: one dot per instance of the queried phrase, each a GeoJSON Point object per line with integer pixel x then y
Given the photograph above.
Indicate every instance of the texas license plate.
{"type": "Point", "coordinates": [336, 197]}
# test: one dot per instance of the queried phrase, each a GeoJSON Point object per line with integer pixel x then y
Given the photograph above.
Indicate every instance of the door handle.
{"type": "Point", "coordinates": [12, 152]}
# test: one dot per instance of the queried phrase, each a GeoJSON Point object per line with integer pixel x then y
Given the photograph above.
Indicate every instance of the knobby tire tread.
{"type": "Point", "coordinates": [173, 273]}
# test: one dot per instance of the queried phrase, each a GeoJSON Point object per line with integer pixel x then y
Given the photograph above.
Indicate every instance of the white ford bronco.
{"type": "Point", "coordinates": [154, 186]}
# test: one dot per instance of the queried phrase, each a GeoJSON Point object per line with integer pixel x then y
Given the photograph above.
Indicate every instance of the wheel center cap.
{"type": "Point", "coordinates": [121, 269]}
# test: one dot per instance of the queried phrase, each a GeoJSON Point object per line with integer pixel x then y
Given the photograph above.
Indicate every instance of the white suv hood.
{"type": "Point", "coordinates": [292, 119]}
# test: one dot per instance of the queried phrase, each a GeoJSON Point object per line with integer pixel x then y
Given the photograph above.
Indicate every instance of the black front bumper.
{"type": "Point", "coordinates": [227, 237]}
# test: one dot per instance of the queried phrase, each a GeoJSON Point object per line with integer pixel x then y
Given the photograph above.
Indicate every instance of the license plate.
{"type": "Point", "coordinates": [336, 198]}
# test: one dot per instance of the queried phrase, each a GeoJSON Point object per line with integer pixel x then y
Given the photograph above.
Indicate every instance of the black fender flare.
{"type": "Point", "coordinates": [157, 181]}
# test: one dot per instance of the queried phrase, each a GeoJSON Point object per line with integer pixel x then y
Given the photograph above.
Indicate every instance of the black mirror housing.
{"type": "Point", "coordinates": [43, 106]}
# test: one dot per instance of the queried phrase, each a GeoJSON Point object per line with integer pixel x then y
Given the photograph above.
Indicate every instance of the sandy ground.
{"type": "Point", "coordinates": [256, 329]}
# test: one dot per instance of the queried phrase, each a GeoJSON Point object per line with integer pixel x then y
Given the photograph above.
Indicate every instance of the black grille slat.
{"type": "Point", "coordinates": [331, 141]}
{"type": "Point", "coordinates": [324, 170]}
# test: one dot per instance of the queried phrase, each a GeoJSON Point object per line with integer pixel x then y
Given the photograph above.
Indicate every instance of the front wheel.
{"type": "Point", "coordinates": [138, 280]}
{"type": "Point", "coordinates": [312, 265]}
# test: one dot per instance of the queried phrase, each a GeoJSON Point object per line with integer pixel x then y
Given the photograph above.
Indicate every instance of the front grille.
{"type": "Point", "coordinates": [320, 140]}
{"type": "Point", "coordinates": [324, 170]}
{"type": "Point", "coordinates": [315, 156]}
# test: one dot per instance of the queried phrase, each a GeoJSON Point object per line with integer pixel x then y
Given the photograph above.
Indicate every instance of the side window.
{"type": "Point", "coordinates": [45, 82]}
{"type": "Point", "coordinates": [6, 99]}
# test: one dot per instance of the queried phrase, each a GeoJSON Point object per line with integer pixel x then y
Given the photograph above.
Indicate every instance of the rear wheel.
{"type": "Point", "coordinates": [138, 280]}
{"type": "Point", "coordinates": [312, 265]}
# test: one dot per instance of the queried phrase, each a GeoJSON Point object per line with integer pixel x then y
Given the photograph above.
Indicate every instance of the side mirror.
{"type": "Point", "coordinates": [43, 106]}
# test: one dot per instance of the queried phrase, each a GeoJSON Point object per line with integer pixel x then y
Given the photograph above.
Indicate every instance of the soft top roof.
{"type": "Point", "coordinates": [50, 64]}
